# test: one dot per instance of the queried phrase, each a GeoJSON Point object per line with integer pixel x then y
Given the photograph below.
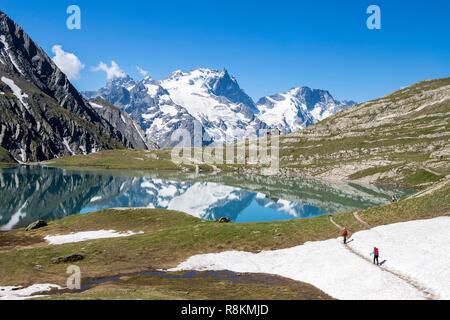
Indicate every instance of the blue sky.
{"type": "Point", "coordinates": [269, 46]}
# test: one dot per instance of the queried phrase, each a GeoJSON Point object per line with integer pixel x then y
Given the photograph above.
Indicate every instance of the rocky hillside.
{"type": "Point", "coordinates": [402, 138]}
{"type": "Point", "coordinates": [123, 122]}
{"type": "Point", "coordinates": [43, 115]}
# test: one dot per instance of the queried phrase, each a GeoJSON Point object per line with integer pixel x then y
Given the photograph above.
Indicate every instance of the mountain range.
{"type": "Point", "coordinates": [45, 117]}
{"type": "Point", "coordinates": [214, 99]}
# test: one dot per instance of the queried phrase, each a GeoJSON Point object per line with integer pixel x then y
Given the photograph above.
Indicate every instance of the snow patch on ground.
{"type": "Point", "coordinates": [20, 293]}
{"type": "Point", "coordinates": [417, 250]}
{"type": "Point", "coordinates": [88, 235]}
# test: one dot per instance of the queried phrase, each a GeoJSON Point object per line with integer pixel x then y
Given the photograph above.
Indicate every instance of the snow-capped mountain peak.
{"type": "Point", "coordinates": [215, 82]}
{"type": "Point", "coordinates": [215, 100]}
{"type": "Point", "coordinates": [126, 82]}
{"type": "Point", "coordinates": [298, 108]}
{"type": "Point", "coordinates": [152, 86]}
{"type": "Point", "coordinates": [116, 91]}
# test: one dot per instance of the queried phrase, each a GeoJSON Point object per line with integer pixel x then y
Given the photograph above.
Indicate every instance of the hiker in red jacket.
{"type": "Point", "coordinates": [345, 234]}
{"type": "Point", "coordinates": [376, 255]}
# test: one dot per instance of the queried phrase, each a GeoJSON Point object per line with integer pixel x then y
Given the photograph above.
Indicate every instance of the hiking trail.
{"type": "Point", "coordinates": [358, 218]}
{"type": "Point", "coordinates": [426, 292]}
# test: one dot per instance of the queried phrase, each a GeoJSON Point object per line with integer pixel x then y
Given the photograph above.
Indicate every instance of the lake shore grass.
{"type": "Point", "coordinates": [147, 160]}
{"type": "Point", "coordinates": [395, 175]}
{"type": "Point", "coordinates": [5, 159]}
{"type": "Point", "coordinates": [171, 237]}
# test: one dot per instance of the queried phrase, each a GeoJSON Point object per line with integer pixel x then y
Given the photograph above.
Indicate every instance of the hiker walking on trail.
{"type": "Point", "coordinates": [376, 255]}
{"type": "Point", "coordinates": [345, 235]}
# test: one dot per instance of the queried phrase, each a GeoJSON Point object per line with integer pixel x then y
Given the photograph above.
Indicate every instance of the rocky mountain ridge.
{"type": "Point", "coordinates": [43, 115]}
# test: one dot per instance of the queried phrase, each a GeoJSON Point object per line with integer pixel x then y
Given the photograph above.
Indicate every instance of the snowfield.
{"type": "Point", "coordinates": [88, 235]}
{"type": "Point", "coordinates": [416, 255]}
{"type": "Point", "coordinates": [20, 293]}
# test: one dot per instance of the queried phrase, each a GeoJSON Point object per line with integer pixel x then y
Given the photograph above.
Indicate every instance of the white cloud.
{"type": "Point", "coordinates": [67, 62]}
{"type": "Point", "coordinates": [112, 72]}
{"type": "Point", "coordinates": [143, 72]}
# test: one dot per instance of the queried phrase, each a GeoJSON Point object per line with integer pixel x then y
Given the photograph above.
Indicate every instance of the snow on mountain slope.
{"type": "Point", "coordinates": [152, 106]}
{"type": "Point", "coordinates": [214, 99]}
{"type": "Point", "coordinates": [298, 108]}
{"type": "Point", "coordinates": [418, 267]}
{"type": "Point", "coordinates": [217, 102]}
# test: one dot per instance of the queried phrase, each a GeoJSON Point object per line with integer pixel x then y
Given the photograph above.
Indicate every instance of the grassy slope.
{"type": "Point", "coordinates": [125, 160]}
{"type": "Point", "coordinates": [171, 237]}
{"type": "Point", "coordinates": [405, 144]}
{"type": "Point", "coordinates": [202, 286]}
{"type": "Point", "coordinates": [5, 157]}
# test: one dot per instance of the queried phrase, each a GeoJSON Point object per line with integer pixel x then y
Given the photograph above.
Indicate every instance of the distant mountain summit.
{"type": "Point", "coordinates": [298, 108]}
{"type": "Point", "coordinates": [42, 115]}
{"type": "Point", "coordinates": [211, 97]}
{"type": "Point", "coordinates": [116, 91]}
{"type": "Point", "coordinates": [214, 99]}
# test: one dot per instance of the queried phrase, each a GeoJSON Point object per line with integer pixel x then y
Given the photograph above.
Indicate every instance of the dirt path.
{"type": "Point", "coordinates": [436, 186]}
{"type": "Point", "coordinates": [358, 218]}
{"type": "Point", "coordinates": [335, 224]}
{"type": "Point", "coordinates": [426, 292]}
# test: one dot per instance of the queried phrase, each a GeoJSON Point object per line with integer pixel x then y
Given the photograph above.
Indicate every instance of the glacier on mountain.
{"type": "Point", "coordinates": [214, 99]}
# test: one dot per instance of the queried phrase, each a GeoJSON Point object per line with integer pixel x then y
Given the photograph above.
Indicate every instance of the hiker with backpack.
{"type": "Point", "coordinates": [345, 235]}
{"type": "Point", "coordinates": [376, 255]}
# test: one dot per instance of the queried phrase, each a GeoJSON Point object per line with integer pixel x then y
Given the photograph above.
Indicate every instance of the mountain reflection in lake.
{"type": "Point", "coordinates": [31, 193]}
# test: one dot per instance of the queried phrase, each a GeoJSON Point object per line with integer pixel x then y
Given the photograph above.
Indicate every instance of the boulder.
{"type": "Point", "coordinates": [36, 225]}
{"type": "Point", "coordinates": [224, 220]}
{"type": "Point", "coordinates": [69, 258]}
